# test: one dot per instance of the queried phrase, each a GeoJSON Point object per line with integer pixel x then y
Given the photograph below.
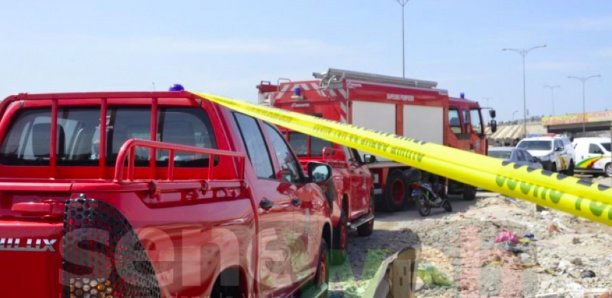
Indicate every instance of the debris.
{"type": "Point", "coordinates": [431, 276]}
{"type": "Point", "coordinates": [506, 236]}
{"type": "Point", "coordinates": [552, 228]}
{"type": "Point", "coordinates": [576, 240]}
{"type": "Point", "coordinates": [587, 274]}
{"type": "Point", "coordinates": [577, 261]}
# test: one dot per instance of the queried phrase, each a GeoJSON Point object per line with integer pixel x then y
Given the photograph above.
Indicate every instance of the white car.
{"type": "Point", "coordinates": [555, 152]}
{"type": "Point", "coordinates": [593, 156]}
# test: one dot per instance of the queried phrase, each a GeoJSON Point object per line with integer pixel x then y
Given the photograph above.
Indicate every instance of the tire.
{"type": "Point", "coordinates": [220, 291]}
{"type": "Point", "coordinates": [322, 276]}
{"type": "Point", "coordinates": [469, 192]}
{"type": "Point", "coordinates": [395, 192]}
{"type": "Point", "coordinates": [422, 207]}
{"type": "Point", "coordinates": [553, 167]}
{"type": "Point", "coordinates": [366, 229]}
{"type": "Point", "coordinates": [447, 206]}
{"type": "Point", "coordinates": [338, 252]}
{"type": "Point", "coordinates": [570, 169]}
{"type": "Point", "coordinates": [608, 170]}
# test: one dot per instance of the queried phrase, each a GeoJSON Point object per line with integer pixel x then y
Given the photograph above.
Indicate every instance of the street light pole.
{"type": "Point", "coordinates": [583, 81]}
{"type": "Point", "coordinates": [523, 53]}
{"type": "Point", "coordinates": [403, 4]}
{"type": "Point", "coordinates": [552, 95]}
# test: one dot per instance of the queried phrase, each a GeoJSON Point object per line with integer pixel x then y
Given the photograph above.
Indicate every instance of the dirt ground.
{"type": "Point", "coordinates": [567, 257]}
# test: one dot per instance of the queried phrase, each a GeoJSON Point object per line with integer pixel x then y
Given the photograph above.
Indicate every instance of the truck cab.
{"type": "Point", "coordinates": [154, 194]}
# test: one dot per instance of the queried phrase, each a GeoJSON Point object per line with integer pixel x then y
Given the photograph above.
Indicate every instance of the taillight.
{"type": "Point", "coordinates": [87, 287]}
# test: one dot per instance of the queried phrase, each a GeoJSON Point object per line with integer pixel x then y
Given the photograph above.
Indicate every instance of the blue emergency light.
{"type": "Point", "coordinates": [177, 87]}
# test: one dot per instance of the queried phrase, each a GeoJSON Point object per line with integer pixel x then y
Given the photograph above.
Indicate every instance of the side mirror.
{"type": "Point", "coordinates": [492, 113]}
{"type": "Point", "coordinates": [493, 124]}
{"type": "Point", "coordinates": [319, 172]}
{"type": "Point", "coordinates": [559, 149]}
{"type": "Point", "coordinates": [369, 158]}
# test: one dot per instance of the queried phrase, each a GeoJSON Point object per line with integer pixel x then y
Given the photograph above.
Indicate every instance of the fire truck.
{"type": "Point", "coordinates": [406, 107]}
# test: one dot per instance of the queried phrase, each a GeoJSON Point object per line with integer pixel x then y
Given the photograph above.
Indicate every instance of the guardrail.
{"type": "Point", "coordinates": [128, 152]}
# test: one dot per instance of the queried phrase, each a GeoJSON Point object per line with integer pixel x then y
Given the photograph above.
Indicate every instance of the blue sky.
{"type": "Point", "coordinates": [227, 47]}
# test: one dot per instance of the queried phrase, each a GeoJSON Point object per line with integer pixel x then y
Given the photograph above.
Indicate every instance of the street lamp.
{"type": "Point", "coordinates": [583, 80]}
{"type": "Point", "coordinates": [523, 53]}
{"type": "Point", "coordinates": [403, 4]}
{"type": "Point", "coordinates": [552, 95]}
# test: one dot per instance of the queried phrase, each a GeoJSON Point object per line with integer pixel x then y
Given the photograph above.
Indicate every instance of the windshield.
{"type": "Point", "coordinates": [535, 145]}
{"type": "Point", "coordinates": [606, 146]}
{"type": "Point", "coordinates": [299, 142]}
{"type": "Point", "coordinates": [502, 154]}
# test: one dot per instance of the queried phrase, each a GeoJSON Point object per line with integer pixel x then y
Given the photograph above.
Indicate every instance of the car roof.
{"type": "Point", "coordinates": [592, 139]}
{"type": "Point", "coordinates": [544, 138]}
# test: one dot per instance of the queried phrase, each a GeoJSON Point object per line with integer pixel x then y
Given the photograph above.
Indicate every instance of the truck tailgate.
{"type": "Point", "coordinates": [30, 258]}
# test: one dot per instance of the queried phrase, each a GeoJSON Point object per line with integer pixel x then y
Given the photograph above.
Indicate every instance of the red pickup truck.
{"type": "Point", "coordinates": [154, 194]}
{"type": "Point", "coordinates": [350, 190]}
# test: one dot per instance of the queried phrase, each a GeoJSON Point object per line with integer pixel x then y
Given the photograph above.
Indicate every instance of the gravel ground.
{"type": "Point", "coordinates": [570, 257]}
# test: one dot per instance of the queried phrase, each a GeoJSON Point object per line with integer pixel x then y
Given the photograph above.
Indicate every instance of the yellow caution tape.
{"type": "Point", "coordinates": [569, 194]}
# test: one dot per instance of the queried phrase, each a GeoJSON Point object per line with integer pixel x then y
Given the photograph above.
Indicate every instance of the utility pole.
{"type": "Point", "coordinates": [552, 96]}
{"type": "Point", "coordinates": [403, 4]}
{"type": "Point", "coordinates": [583, 81]}
{"type": "Point", "coordinates": [523, 53]}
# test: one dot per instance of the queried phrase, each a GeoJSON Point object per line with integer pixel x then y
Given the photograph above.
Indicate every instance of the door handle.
{"type": "Point", "coordinates": [296, 202]}
{"type": "Point", "coordinates": [266, 204]}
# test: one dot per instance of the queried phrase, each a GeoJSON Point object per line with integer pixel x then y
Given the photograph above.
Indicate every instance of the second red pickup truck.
{"type": "Point", "coordinates": [154, 194]}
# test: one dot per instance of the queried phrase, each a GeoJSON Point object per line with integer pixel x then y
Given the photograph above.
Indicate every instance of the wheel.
{"type": "Point", "coordinates": [223, 291]}
{"type": "Point", "coordinates": [322, 276]}
{"type": "Point", "coordinates": [553, 167]}
{"type": "Point", "coordinates": [469, 192]}
{"type": "Point", "coordinates": [570, 169]}
{"type": "Point", "coordinates": [422, 205]}
{"type": "Point", "coordinates": [608, 170]}
{"type": "Point", "coordinates": [447, 206]}
{"type": "Point", "coordinates": [366, 229]}
{"type": "Point", "coordinates": [395, 192]}
{"type": "Point", "coordinates": [338, 252]}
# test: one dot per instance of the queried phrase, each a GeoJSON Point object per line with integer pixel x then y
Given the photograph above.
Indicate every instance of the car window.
{"type": "Point", "coordinates": [535, 145]}
{"type": "Point", "coordinates": [185, 126]}
{"type": "Point", "coordinates": [255, 145]}
{"type": "Point", "coordinates": [503, 154]}
{"type": "Point", "coordinates": [289, 165]}
{"type": "Point", "coordinates": [558, 144]}
{"type": "Point", "coordinates": [299, 143]}
{"type": "Point", "coordinates": [476, 121]}
{"type": "Point", "coordinates": [453, 121]}
{"type": "Point", "coordinates": [28, 140]}
{"type": "Point", "coordinates": [523, 155]}
{"type": "Point", "coordinates": [317, 145]}
{"type": "Point", "coordinates": [606, 146]}
{"type": "Point", "coordinates": [595, 149]}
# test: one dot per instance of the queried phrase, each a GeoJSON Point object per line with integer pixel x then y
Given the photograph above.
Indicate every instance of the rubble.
{"type": "Point", "coordinates": [480, 250]}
